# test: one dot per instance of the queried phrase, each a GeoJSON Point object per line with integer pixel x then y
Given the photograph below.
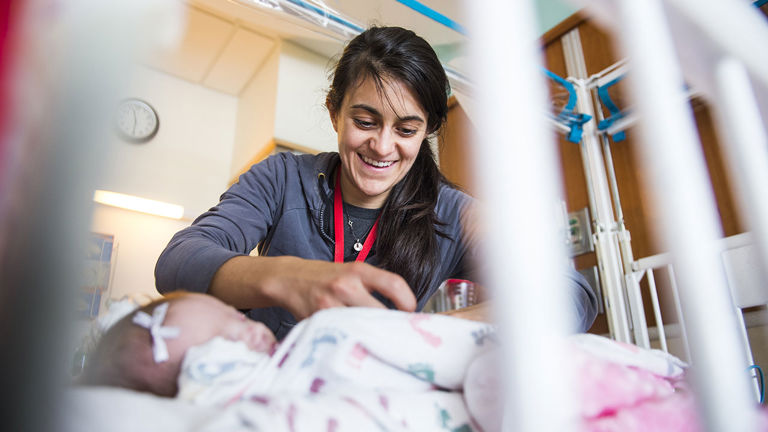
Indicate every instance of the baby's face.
{"type": "Point", "coordinates": [202, 317]}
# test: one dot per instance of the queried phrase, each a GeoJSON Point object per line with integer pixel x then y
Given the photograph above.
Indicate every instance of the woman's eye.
{"type": "Point", "coordinates": [364, 124]}
{"type": "Point", "coordinates": [406, 131]}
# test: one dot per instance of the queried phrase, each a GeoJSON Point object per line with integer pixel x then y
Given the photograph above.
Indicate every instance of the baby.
{"type": "Point", "coordinates": [144, 350]}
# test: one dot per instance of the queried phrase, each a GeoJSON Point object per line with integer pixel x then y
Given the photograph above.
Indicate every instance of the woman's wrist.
{"type": "Point", "coordinates": [244, 282]}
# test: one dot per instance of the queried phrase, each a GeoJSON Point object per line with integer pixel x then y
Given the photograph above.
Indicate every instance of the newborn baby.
{"type": "Point", "coordinates": [147, 356]}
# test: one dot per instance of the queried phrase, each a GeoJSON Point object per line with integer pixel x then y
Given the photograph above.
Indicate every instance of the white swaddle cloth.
{"type": "Point", "coordinates": [350, 368]}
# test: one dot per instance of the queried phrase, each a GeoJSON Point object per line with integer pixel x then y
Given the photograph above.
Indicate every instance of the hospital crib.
{"type": "Point", "coordinates": [717, 46]}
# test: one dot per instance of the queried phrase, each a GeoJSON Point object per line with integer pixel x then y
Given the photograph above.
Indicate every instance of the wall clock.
{"type": "Point", "coordinates": [136, 120]}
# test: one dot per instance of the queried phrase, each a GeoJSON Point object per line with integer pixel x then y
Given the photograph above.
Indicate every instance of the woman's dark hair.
{"type": "Point", "coordinates": [406, 242]}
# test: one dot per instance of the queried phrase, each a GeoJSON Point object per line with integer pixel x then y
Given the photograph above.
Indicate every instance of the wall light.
{"type": "Point", "coordinates": [138, 204]}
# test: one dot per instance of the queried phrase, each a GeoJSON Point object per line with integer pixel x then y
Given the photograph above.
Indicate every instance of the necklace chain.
{"type": "Point", "coordinates": [358, 246]}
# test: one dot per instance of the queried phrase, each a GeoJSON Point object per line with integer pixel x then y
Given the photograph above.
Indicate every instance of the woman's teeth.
{"type": "Point", "coordinates": [376, 163]}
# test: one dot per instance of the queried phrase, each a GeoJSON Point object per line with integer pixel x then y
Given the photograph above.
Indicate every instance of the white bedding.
{"type": "Point", "coordinates": [356, 369]}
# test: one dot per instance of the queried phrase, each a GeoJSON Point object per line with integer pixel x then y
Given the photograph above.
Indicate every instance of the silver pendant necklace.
{"type": "Point", "coordinates": [357, 246]}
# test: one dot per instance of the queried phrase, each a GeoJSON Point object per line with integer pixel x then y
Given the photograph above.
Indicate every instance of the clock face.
{"type": "Point", "coordinates": [136, 120]}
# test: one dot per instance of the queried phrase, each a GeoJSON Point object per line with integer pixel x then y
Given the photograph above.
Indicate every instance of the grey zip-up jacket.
{"type": "Point", "coordinates": [282, 206]}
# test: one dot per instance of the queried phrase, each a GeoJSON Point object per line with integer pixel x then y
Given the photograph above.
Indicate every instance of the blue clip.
{"type": "Point", "coordinates": [616, 113]}
{"type": "Point", "coordinates": [759, 3]}
{"type": "Point", "coordinates": [573, 119]}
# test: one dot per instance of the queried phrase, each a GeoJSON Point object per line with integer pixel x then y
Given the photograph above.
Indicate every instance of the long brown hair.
{"type": "Point", "coordinates": [406, 242]}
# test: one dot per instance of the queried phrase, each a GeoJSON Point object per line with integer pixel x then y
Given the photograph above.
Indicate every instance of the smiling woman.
{"type": "Point", "coordinates": [374, 225]}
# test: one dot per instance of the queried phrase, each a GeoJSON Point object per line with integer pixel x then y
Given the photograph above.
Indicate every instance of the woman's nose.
{"type": "Point", "coordinates": [384, 143]}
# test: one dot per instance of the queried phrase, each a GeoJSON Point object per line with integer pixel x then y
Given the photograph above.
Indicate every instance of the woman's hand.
{"type": "Point", "coordinates": [306, 286]}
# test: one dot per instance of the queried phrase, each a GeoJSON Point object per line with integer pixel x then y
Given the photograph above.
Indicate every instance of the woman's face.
{"type": "Point", "coordinates": [379, 137]}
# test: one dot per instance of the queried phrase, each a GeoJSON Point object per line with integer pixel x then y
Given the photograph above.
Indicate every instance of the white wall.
{"type": "Point", "coordinates": [139, 239]}
{"type": "Point", "coordinates": [300, 114]}
{"type": "Point", "coordinates": [256, 114]}
{"type": "Point", "coordinates": [188, 161]}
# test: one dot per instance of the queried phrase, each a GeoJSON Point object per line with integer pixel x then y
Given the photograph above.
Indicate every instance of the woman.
{"type": "Point", "coordinates": [374, 225]}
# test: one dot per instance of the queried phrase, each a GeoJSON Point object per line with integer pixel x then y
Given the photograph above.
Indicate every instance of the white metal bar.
{"type": "Point", "coordinates": [612, 178]}
{"type": "Point", "coordinates": [637, 312]}
{"type": "Point", "coordinates": [678, 178]}
{"type": "Point", "coordinates": [747, 352]}
{"type": "Point", "coordinates": [657, 309]}
{"type": "Point", "coordinates": [560, 127]}
{"type": "Point", "coordinates": [610, 73]}
{"type": "Point", "coordinates": [737, 240]}
{"type": "Point", "coordinates": [653, 261]}
{"type": "Point", "coordinates": [679, 310]}
{"type": "Point", "coordinates": [621, 124]}
{"type": "Point", "coordinates": [671, 331]}
{"type": "Point", "coordinates": [520, 169]}
{"type": "Point", "coordinates": [611, 277]}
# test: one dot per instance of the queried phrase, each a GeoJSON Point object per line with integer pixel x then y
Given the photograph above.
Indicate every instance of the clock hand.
{"type": "Point", "coordinates": [133, 111]}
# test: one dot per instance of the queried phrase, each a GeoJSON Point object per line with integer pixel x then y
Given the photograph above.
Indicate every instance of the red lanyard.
{"type": "Point", "coordinates": [338, 227]}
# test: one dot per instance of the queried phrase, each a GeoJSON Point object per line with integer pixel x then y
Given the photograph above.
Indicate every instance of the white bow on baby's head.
{"type": "Point", "coordinates": [154, 324]}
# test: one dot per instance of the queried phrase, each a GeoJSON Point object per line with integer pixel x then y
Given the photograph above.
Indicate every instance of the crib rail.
{"type": "Point", "coordinates": [678, 180]}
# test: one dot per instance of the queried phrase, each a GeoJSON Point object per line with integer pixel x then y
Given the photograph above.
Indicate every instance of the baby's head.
{"type": "Point", "coordinates": [125, 356]}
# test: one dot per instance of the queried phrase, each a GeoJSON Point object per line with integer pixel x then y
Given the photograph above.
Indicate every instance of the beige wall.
{"type": "Point", "coordinates": [256, 114]}
{"type": "Point", "coordinates": [139, 239]}
{"type": "Point", "coordinates": [187, 163]}
{"type": "Point", "coordinates": [300, 114]}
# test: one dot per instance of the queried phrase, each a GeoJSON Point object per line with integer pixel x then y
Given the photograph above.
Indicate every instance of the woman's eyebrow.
{"type": "Point", "coordinates": [376, 113]}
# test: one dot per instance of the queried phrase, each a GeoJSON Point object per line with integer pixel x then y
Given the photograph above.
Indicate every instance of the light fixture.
{"type": "Point", "coordinates": [138, 204]}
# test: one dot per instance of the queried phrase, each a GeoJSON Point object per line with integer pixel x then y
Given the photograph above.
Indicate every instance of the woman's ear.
{"type": "Point", "coordinates": [332, 114]}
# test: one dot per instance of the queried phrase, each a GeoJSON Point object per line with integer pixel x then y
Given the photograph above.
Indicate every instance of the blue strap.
{"type": "Point", "coordinates": [616, 113]}
{"type": "Point", "coordinates": [433, 14]}
{"type": "Point", "coordinates": [573, 119]}
{"type": "Point", "coordinates": [759, 3]}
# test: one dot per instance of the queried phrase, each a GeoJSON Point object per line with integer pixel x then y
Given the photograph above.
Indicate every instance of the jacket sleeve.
{"type": "Point", "coordinates": [583, 299]}
{"type": "Point", "coordinates": [234, 227]}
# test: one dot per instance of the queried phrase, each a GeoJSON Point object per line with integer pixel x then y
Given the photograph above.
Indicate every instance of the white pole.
{"type": "Point", "coordinates": [657, 310]}
{"type": "Point", "coordinates": [518, 183]}
{"type": "Point", "coordinates": [689, 228]}
{"type": "Point", "coordinates": [679, 310]}
{"type": "Point", "coordinates": [608, 255]}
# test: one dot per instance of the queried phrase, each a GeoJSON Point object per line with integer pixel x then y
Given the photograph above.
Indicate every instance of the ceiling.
{"type": "Point", "coordinates": [226, 41]}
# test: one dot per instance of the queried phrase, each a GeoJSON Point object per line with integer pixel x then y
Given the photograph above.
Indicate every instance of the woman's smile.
{"type": "Point", "coordinates": [376, 163]}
